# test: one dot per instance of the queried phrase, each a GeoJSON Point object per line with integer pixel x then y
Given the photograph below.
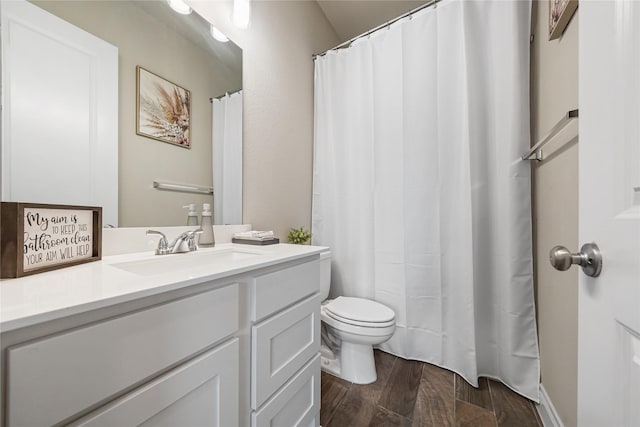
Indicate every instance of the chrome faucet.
{"type": "Point", "coordinates": [186, 242]}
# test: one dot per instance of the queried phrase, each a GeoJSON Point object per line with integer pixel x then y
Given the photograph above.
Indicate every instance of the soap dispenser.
{"type": "Point", "coordinates": [192, 216]}
{"type": "Point", "coordinates": [207, 238]}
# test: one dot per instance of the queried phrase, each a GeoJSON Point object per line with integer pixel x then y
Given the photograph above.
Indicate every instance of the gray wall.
{"type": "Point", "coordinates": [143, 40]}
{"type": "Point", "coordinates": [554, 91]}
{"type": "Point", "coordinates": [278, 106]}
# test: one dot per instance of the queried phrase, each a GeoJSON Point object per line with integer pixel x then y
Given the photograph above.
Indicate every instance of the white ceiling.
{"type": "Point", "coordinates": [350, 18]}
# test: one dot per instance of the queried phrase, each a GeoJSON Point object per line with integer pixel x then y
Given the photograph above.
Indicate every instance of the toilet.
{"type": "Point", "coordinates": [350, 328]}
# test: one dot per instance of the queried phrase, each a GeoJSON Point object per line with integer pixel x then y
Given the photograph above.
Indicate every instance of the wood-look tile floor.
{"type": "Point", "coordinates": [410, 393]}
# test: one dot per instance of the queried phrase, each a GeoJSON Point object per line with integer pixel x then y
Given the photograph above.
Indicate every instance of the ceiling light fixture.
{"type": "Point", "coordinates": [241, 13]}
{"type": "Point", "coordinates": [217, 34]}
{"type": "Point", "coordinates": [180, 6]}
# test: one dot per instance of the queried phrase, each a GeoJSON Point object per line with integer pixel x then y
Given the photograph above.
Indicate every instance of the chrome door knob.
{"type": "Point", "coordinates": [589, 258]}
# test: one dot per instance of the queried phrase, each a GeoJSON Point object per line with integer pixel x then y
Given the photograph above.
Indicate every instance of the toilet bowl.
{"type": "Point", "coordinates": [351, 327]}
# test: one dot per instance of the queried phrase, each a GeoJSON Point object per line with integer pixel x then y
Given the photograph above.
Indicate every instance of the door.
{"type": "Point", "coordinates": [609, 305]}
{"type": "Point", "coordinates": [59, 112]}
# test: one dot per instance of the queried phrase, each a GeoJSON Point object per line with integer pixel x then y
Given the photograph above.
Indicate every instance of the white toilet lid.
{"type": "Point", "coordinates": [360, 310]}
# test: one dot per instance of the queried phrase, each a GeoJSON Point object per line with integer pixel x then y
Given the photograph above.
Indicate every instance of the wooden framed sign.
{"type": "Point", "coordinates": [40, 237]}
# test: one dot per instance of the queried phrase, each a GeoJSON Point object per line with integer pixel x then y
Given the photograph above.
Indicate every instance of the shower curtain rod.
{"type": "Point", "coordinates": [225, 94]}
{"type": "Point", "coordinates": [348, 43]}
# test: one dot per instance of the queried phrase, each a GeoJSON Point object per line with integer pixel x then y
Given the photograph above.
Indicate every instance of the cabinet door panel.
{"type": "Point", "coordinates": [282, 345]}
{"type": "Point", "coordinates": [202, 392]}
{"type": "Point", "coordinates": [97, 361]}
{"type": "Point", "coordinates": [297, 403]}
{"type": "Point", "coordinates": [277, 290]}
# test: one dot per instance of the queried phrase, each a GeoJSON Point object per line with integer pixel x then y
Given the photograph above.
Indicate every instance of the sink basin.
{"type": "Point", "coordinates": [164, 264]}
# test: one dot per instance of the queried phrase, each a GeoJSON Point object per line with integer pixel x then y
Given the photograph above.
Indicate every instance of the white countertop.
{"type": "Point", "coordinates": [47, 296]}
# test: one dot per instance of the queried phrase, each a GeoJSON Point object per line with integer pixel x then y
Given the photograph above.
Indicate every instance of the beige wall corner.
{"type": "Point", "coordinates": [554, 91]}
{"type": "Point", "coordinates": [278, 106]}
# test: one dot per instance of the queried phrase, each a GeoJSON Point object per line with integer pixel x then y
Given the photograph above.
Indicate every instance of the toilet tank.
{"type": "Point", "coordinates": [325, 274]}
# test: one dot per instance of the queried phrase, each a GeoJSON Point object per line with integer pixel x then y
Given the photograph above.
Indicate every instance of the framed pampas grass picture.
{"type": "Point", "coordinates": [560, 13]}
{"type": "Point", "coordinates": [163, 109]}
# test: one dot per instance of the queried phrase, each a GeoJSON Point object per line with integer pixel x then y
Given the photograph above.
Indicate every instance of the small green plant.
{"type": "Point", "coordinates": [298, 236]}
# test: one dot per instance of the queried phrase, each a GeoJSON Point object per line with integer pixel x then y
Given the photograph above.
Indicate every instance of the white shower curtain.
{"type": "Point", "coordinates": [227, 159]}
{"type": "Point", "coordinates": [419, 189]}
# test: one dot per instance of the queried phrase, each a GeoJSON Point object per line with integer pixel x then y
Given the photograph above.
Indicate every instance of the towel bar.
{"type": "Point", "coordinates": [537, 149]}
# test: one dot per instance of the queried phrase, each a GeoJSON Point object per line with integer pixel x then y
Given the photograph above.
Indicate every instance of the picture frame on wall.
{"type": "Point", "coordinates": [560, 13]}
{"type": "Point", "coordinates": [163, 109]}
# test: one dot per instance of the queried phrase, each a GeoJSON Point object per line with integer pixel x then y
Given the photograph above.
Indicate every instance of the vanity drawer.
{"type": "Point", "coordinates": [296, 404]}
{"type": "Point", "coordinates": [277, 290]}
{"type": "Point", "coordinates": [281, 345]}
{"type": "Point", "coordinates": [54, 378]}
{"type": "Point", "coordinates": [202, 392]}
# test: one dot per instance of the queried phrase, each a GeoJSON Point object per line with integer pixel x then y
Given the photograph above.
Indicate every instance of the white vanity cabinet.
{"type": "Point", "coordinates": [233, 351]}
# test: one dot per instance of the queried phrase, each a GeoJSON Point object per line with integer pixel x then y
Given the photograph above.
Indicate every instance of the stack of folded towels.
{"type": "Point", "coordinates": [255, 237]}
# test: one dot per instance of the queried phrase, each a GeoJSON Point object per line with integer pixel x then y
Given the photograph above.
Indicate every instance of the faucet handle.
{"type": "Point", "coordinates": [192, 239]}
{"type": "Point", "coordinates": [194, 232]}
{"type": "Point", "coordinates": [163, 244]}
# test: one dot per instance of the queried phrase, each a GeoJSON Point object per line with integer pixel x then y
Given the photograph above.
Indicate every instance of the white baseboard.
{"type": "Point", "coordinates": [547, 411]}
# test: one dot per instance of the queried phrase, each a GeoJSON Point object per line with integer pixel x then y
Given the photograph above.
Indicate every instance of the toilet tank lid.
{"type": "Point", "coordinates": [361, 309]}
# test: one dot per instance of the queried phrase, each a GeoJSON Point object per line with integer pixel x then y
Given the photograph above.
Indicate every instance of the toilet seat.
{"type": "Point", "coordinates": [368, 330]}
{"type": "Point", "coordinates": [360, 312]}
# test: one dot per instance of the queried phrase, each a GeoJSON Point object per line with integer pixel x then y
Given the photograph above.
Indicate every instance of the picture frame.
{"type": "Point", "coordinates": [163, 109]}
{"type": "Point", "coordinates": [560, 13]}
{"type": "Point", "coordinates": [39, 237]}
